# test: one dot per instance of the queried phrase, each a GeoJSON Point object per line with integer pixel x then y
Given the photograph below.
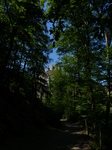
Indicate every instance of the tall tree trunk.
{"type": "Point", "coordinates": [78, 74]}
{"type": "Point", "coordinates": [89, 70]}
{"type": "Point", "coordinates": [13, 33]}
{"type": "Point", "coordinates": [10, 46]}
{"type": "Point", "coordinates": [24, 67]}
{"type": "Point", "coordinates": [89, 82]}
{"type": "Point", "coordinates": [20, 61]}
{"type": "Point", "coordinates": [25, 62]}
{"type": "Point", "coordinates": [15, 56]}
{"type": "Point", "coordinates": [108, 80]}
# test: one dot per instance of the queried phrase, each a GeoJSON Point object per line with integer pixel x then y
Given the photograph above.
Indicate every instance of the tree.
{"type": "Point", "coordinates": [86, 26]}
{"type": "Point", "coordinates": [61, 100]}
{"type": "Point", "coordinates": [23, 43]}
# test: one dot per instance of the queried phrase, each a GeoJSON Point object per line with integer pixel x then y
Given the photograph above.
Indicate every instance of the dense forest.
{"type": "Point", "coordinates": [80, 86]}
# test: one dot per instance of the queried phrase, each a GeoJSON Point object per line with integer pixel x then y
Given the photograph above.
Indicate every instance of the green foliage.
{"type": "Point", "coordinates": [24, 50]}
{"type": "Point", "coordinates": [81, 82]}
{"type": "Point", "coordinates": [23, 45]}
{"type": "Point", "coordinates": [60, 100]}
{"type": "Point", "coordinates": [79, 29]}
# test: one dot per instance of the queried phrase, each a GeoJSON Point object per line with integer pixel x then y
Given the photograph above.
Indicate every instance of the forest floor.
{"type": "Point", "coordinates": [70, 137]}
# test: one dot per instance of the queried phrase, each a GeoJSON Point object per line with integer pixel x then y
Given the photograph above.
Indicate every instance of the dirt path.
{"type": "Point", "coordinates": [71, 137]}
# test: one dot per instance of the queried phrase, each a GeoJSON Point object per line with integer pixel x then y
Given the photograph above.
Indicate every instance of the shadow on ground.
{"type": "Point", "coordinates": [70, 137]}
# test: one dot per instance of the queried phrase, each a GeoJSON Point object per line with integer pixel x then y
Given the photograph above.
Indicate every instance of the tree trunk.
{"type": "Point", "coordinates": [15, 56]}
{"type": "Point", "coordinates": [89, 70]}
{"type": "Point", "coordinates": [108, 81]}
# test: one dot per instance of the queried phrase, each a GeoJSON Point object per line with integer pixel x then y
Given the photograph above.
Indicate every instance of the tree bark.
{"type": "Point", "coordinates": [108, 81]}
